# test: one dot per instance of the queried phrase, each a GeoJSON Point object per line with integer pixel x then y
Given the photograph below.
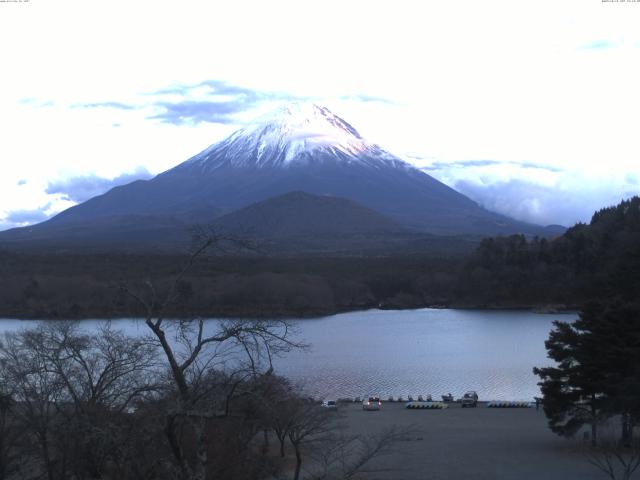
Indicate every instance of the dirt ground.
{"type": "Point", "coordinates": [473, 443]}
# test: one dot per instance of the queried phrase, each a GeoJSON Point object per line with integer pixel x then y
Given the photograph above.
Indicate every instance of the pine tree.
{"type": "Point", "coordinates": [573, 391]}
{"type": "Point", "coordinates": [598, 370]}
{"type": "Point", "coordinates": [616, 326]}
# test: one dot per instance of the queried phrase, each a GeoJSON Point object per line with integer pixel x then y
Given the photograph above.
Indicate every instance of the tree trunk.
{"type": "Point", "coordinates": [174, 444]}
{"type": "Point", "coordinates": [177, 372]}
{"type": "Point", "coordinates": [281, 440]}
{"type": "Point", "coordinates": [47, 460]}
{"type": "Point", "coordinates": [627, 429]}
{"type": "Point", "coordinates": [594, 422]}
{"type": "Point", "coordinates": [3, 467]}
{"type": "Point", "coordinates": [296, 475]}
{"type": "Point", "coordinates": [42, 435]}
{"type": "Point", "coordinates": [200, 429]}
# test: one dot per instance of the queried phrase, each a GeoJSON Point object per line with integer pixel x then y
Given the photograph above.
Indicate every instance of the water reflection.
{"type": "Point", "coordinates": [419, 352]}
{"type": "Point", "coordinates": [409, 352]}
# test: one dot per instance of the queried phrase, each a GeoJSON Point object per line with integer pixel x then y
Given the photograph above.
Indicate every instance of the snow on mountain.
{"type": "Point", "coordinates": [293, 134]}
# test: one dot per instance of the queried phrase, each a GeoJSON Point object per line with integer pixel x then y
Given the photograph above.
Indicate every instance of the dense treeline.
{"type": "Point", "coordinates": [82, 286]}
{"type": "Point", "coordinates": [601, 259]}
{"type": "Point", "coordinates": [595, 260]}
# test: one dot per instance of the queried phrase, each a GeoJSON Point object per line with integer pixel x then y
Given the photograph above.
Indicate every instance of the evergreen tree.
{"type": "Point", "coordinates": [598, 370]}
{"type": "Point", "coordinates": [573, 391]}
{"type": "Point", "coordinates": [616, 326]}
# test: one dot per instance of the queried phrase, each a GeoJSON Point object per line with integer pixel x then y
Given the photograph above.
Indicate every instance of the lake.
{"type": "Point", "coordinates": [411, 352]}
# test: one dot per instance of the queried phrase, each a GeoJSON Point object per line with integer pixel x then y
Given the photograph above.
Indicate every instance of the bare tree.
{"type": "Point", "coordinates": [344, 456]}
{"type": "Point", "coordinates": [319, 439]}
{"type": "Point", "coordinates": [309, 423]}
{"type": "Point", "coordinates": [10, 435]}
{"type": "Point", "coordinates": [36, 391]}
{"type": "Point", "coordinates": [103, 373]}
{"type": "Point", "coordinates": [106, 369]}
{"type": "Point", "coordinates": [193, 347]}
{"type": "Point", "coordinates": [617, 459]}
{"type": "Point", "coordinates": [73, 392]}
{"type": "Point", "coordinates": [279, 403]}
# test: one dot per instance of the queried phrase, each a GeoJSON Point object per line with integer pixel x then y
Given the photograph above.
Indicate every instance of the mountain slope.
{"type": "Point", "coordinates": [117, 232]}
{"type": "Point", "coordinates": [300, 148]}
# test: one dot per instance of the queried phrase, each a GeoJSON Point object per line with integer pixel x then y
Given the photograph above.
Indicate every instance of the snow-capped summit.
{"type": "Point", "coordinates": [293, 134]}
{"type": "Point", "coordinates": [301, 118]}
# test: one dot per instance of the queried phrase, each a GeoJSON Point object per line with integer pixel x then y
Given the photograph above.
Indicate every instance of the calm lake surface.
{"type": "Point", "coordinates": [409, 352]}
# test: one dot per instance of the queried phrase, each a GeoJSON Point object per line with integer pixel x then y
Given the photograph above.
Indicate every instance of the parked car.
{"type": "Point", "coordinates": [372, 403]}
{"type": "Point", "coordinates": [330, 404]}
{"type": "Point", "coordinates": [470, 399]}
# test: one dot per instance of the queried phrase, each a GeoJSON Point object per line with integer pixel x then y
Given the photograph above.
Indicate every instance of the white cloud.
{"type": "Point", "coordinates": [79, 189]}
{"type": "Point", "coordinates": [537, 195]}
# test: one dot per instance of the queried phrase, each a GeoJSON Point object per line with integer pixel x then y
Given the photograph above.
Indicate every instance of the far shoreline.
{"type": "Point", "coordinates": [544, 309]}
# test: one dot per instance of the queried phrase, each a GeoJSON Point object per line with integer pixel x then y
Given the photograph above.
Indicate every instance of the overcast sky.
{"type": "Point", "coordinates": [530, 108]}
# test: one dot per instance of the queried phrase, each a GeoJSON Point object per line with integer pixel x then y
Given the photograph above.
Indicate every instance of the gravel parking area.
{"type": "Point", "coordinates": [473, 443]}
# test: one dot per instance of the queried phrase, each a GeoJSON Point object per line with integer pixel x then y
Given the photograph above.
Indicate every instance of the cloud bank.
{"type": "Point", "coordinates": [208, 101]}
{"type": "Point", "coordinates": [21, 217]}
{"type": "Point", "coordinates": [79, 189]}
{"type": "Point", "coordinates": [534, 193]}
{"type": "Point", "coordinates": [211, 101]}
{"type": "Point", "coordinates": [65, 193]}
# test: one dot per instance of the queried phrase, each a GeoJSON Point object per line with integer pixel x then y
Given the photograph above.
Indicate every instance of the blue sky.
{"type": "Point", "coordinates": [530, 108]}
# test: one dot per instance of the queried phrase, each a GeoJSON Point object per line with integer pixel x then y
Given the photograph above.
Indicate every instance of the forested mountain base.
{"type": "Point", "coordinates": [86, 286]}
{"type": "Point", "coordinates": [599, 260]}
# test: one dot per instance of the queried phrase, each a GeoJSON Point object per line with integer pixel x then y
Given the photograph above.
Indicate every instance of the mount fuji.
{"type": "Point", "coordinates": [299, 148]}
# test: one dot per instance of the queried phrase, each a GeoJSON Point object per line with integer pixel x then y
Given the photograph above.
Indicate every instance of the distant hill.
{"type": "Point", "coordinates": [300, 148]}
{"type": "Point", "coordinates": [303, 214]}
{"type": "Point", "coordinates": [300, 223]}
